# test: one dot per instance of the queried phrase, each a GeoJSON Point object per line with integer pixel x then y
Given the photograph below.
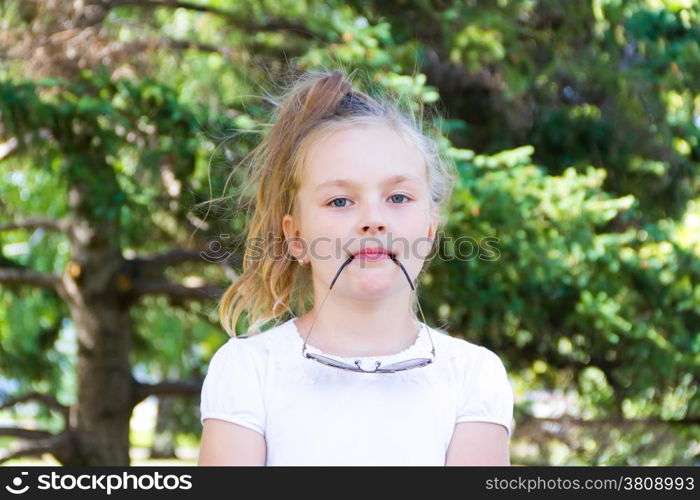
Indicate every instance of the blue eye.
{"type": "Point", "coordinates": [400, 195]}
{"type": "Point", "coordinates": [333, 201]}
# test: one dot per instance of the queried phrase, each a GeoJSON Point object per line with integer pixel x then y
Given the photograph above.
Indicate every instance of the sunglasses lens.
{"type": "Point", "coordinates": [331, 362]}
{"type": "Point", "coordinates": [405, 365]}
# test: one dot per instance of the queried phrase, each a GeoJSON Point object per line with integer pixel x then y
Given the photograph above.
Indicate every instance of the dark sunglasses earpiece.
{"type": "Point", "coordinates": [400, 366]}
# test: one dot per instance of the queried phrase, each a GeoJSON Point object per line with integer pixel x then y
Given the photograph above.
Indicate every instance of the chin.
{"type": "Point", "coordinates": [375, 287]}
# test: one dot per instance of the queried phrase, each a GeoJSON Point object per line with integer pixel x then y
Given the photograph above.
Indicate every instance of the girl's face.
{"type": "Point", "coordinates": [362, 187]}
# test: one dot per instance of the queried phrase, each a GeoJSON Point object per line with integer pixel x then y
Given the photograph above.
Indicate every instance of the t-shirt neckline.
{"type": "Point", "coordinates": [299, 339]}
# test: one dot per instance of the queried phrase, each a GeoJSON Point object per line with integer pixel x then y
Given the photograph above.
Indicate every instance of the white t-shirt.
{"type": "Point", "coordinates": [313, 414]}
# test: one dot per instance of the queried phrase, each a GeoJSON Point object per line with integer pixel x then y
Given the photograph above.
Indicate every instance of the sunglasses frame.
{"type": "Point", "coordinates": [328, 361]}
{"type": "Point", "coordinates": [377, 368]}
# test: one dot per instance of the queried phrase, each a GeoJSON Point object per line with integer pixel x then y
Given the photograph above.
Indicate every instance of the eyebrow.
{"type": "Point", "coordinates": [394, 179]}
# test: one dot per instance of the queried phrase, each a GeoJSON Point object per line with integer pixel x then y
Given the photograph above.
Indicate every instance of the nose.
{"type": "Point", "coordinates": [372, 222]}
{"type": "Point", "coordinates": [373, 227]}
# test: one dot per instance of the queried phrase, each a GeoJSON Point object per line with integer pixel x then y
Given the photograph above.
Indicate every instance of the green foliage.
{"type": "Point", "coordinates": [572, 247]}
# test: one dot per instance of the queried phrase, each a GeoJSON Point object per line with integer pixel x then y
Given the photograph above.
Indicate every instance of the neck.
{"type": "Point", "coordinates": [350, 327]}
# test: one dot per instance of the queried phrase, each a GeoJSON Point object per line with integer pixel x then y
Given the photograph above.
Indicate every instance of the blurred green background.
{"type": "Point", "coordinates": [575, 128]}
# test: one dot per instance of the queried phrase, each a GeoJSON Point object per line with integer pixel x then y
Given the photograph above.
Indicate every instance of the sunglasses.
{"type": "Point", "coordinates": [378, 368]}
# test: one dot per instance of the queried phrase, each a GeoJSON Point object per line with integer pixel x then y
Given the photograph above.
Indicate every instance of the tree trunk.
{"type": "Point", "coordinates": [164, 440]}
{"type": "Point", "coordinates": [100, 417]}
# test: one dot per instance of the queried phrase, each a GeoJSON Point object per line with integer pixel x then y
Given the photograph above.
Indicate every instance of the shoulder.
{"type": "Point", "coordinates": [462, 350]}
{"type": "Point", "coordinates": [254, 346]}
{"type": "Point", "coordinates": [470, 360]}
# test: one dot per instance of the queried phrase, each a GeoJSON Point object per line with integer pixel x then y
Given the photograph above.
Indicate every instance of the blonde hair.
{"type": "Point", "coordinates": [314, 105]}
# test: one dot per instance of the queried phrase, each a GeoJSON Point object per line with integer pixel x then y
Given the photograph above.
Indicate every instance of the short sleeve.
{"type": "Point", "coordinates": [232, 390]}
{"type": "Point", "coordinates": [487, 395]}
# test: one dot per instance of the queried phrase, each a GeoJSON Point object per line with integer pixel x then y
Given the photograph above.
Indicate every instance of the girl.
{"type": "Point", "coordinates": [351, 189]}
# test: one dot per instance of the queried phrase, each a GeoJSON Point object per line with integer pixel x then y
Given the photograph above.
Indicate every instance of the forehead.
{"type": "Point", "coordinates": [362, 155]}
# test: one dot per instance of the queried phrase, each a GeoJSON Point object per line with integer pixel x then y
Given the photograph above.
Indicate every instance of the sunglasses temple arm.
{"type": "Point", "coordinates": [303, 347]}
{"type": "Point", "coordinates": [410, 282]}
{"type": "Point", "coordinates": [337, 274]}
{"type": "Point", "coordinates": [340, 269]}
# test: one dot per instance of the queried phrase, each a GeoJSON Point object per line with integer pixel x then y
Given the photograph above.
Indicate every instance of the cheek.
{"type": "Point", "coordinates": [321, 242]}
{"type": "Point", "coordinates": [422, 247]}
{"type": "Point", "coordinates": [330, 230]}
{"type": "Point", "coordinates": [323, 248]}
{"type": "Point", "coordinates": [418, 244]}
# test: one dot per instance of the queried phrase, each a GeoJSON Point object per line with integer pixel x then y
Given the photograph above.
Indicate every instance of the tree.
{"type": "Point", "coordinates": [81, 122]}
{"type": "Point", "coordinates": [574, 129]}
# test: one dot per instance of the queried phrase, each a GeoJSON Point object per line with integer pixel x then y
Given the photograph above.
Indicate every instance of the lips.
{"type": "Point", "coordinates": [373, 252]}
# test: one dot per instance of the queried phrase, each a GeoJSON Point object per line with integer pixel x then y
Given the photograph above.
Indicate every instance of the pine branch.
{"type": "Point", "coordinates": [24, 433]}
{"type": "Point", "coordinates": [8, 147]}
{"type": "Point", "coordinates": [569, 420]}
{"type": "Point", "coordinates": [240, 20]}
{"type": "Point", "coordinates": [142, 391]}
{"type": "Point", "coordinates": [63, 225]}
{"type": "Point", "coordinates": [59, 445]}
{"type": "Point", "coordinates": [46, 399]}
{"type": "Point", "coordinates": [13, 145]}
{"type": "Point", "coordinates": [177, 290]}
{"type": "Point", "coordinates": [143, 275]}
{"type": "Point", "coordinates": [170, 257]}
{"type": "Point", "coordinates": [27, 277]}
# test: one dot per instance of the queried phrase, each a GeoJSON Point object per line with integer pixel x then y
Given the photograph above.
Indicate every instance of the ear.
{"type": "Point", "coordinates": [290, 232]}
{"type": "Point", "coordinates": [434, 214]}
{"type": "Point", "coordinates": [287, 226]}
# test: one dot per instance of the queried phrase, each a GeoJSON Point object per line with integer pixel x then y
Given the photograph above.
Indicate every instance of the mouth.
{"type": "Point", "coordinates": [377, 253]}
{"type": "Point", "coordinates": [383, 254]}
